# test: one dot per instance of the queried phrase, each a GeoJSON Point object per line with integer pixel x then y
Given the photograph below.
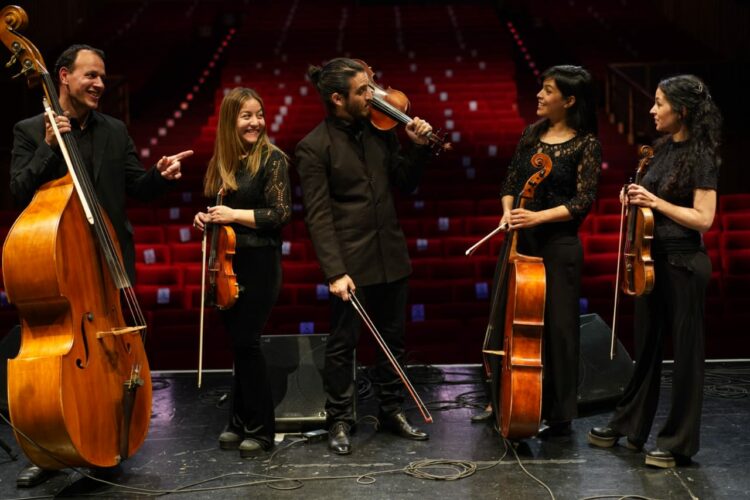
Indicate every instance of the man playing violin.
{"type": "Point", "coordinates": [106, 149]}
{"type": "Point", "coordinates": [347, 168]}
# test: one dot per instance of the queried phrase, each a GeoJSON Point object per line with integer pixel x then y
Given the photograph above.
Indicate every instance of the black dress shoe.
{"type": "Point", "coordinates": [400, 426]}
{"type": "Point", "coordinates": [31, 475]}
{"type": "Point", "coordinates": [607, 437]}
{"type": "Point", "coordinates": [556, 429]}
{"type": "Point", "coordinates": [483, 416]}
{"type": "Point", "coordinates": [338, 438]}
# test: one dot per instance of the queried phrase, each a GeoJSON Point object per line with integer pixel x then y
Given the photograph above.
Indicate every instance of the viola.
{"type": "Point", "coordinates": [515, 372]}
{"type": "Point", "coordinates": [79, 390]}
{"type": "Point", "coordinates": [223, 289]}
{"type": "Point", "coordinates": [638, 275]}
{"type": "Point", "coordinates": [635, 254]}
{"type": "Point", "coordinates": [390, 107]}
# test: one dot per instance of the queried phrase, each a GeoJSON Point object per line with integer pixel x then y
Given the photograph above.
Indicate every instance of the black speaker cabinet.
{"type": "Point", "coordinates": [599, 378]}
{"type": "Point", "coordinates": [295, 366]}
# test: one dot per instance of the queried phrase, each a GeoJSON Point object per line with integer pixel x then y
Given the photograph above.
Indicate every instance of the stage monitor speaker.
{"type": "Point", "coordinates": [599, 378]}
{"type": "Point", "coordinates": [295, 367]}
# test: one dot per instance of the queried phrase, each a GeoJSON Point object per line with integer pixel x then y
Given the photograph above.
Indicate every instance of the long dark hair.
{"type": "Point", "coordinates": [581, 116]}
{"type": "Point", "coordinates": [334, 77]}
{"type": "Point", "coordinates": [690, 99]}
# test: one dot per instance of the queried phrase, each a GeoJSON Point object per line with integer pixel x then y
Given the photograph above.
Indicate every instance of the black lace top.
{"type": "Point", "coordinates": [669, 236]}
{"type": "Point", "coordinates": [576, 165]}
{"type": "Point", "coordinates": [268, 194]}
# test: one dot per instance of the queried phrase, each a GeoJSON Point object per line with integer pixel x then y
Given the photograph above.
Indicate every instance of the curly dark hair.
{"type": "Point", "coordinates": [581, 117]}
{"type": "Point", "coordinates": [690, 98]}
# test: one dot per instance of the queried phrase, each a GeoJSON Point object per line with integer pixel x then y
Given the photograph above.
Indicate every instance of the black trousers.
{"type": "Point", "coordinates": [258, 271]}
{"type": "Point", "coordinates": [386, 305]}
{"type": "Point", "coordinates": [563, 260]}
{"type": "Point", "coordinates": [674, 307]}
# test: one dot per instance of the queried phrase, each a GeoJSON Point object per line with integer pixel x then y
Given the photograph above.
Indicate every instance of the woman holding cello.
{"type": "Point", "coordinates": [680, 188]}
{"type": "Point", "coordinates": [253, 175]}
{"type": "Point", "coordinates": [549, 224]}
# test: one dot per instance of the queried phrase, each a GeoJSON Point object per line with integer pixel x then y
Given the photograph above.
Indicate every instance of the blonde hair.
{"type": "Point", "coordinates": [229, 148]}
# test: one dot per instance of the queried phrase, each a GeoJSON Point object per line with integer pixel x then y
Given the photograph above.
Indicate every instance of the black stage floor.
{"type": "Point", "coordinates": [182, 452]}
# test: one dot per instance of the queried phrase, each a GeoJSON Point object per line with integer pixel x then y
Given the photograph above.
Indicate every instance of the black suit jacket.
{"type": "Point", "coordinates": [346, 186]}
{"type": "Point", "coordinates": [117, 172]}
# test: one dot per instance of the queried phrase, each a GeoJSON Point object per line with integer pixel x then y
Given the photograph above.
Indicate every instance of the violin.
{"type": "Point", "coordinates": [517, 306]}
{"type": "Point", "coordinates": [223, 289]}
{"type": "Point", "coordinates": [635, 255]}
{"type": "Point", "coordinates": [638, 276]}
{"type": "Point", "coordinates": [79, 390]}
{"type": "Point", "coordinates": [390, 107]}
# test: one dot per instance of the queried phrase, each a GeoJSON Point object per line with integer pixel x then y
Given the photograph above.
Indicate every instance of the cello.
{"type": "Point", "coordinates": [635, 254]}
{"type": "Point", "coordinates": [518, 303]}
{"type": "Point", "coordinates": [79, 390]}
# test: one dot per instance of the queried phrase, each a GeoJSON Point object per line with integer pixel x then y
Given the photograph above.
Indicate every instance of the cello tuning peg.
{"type": "Point", "coordinates": [13, 59]}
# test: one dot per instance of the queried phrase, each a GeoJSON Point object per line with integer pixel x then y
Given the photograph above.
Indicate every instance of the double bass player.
{"type": "Point", "coordinates": [107, 152]}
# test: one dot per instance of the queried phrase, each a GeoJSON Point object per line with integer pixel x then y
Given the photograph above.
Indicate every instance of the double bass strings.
{"type": "Point", "coordinates": [106, 243]}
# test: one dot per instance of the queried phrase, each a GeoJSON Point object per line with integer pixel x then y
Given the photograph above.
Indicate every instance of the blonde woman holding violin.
{"type": "Point", "coordinates": [680, 188]}
{"type": "Point", "coordinates": [254, 176]}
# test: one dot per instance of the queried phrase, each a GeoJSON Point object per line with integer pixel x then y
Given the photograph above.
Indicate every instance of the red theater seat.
{"type": "Point", "coordinates": [156, 296]}
{"type": "Point", "coordinates": [606, 224]}
{"type": "Point", "coordinates": [734, 203]}
{"type": "Point", "coordinates": [146, 253]}
{"type": "Point", "coordinates": [735, 221]}
{"type": "Point", "coordinates": [158, 274]}
{"type": "Point", "coordinates": [148, 234]}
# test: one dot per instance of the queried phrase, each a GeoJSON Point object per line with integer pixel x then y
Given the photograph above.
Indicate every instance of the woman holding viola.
{"type": "Point", "coordinates": [680, 188]}
{"type": "Point", "coordinates": [549, 225]}
{"type": "Point", "coordinates": [254, 177]}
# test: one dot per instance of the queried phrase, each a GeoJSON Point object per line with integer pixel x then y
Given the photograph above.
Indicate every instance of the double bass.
{"type": "Point", "coordinates": [79, 391]}
{"type": "Point", "coordinates": [517, 306]}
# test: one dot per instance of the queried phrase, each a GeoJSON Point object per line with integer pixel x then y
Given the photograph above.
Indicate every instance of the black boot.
{"type": "Point", "coordinates": [338, 438]}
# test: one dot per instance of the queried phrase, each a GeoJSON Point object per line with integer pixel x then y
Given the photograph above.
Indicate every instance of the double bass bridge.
{"type": "Point", "coordinates": [126, 330]}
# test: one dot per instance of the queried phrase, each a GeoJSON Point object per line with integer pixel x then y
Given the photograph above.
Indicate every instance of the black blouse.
{"type": "Point", "coordinates": [670, 236]}
{"type": "Point", "coordinates": [576, 165]}
{"type": "Point", "coordinates": [269, 195]}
